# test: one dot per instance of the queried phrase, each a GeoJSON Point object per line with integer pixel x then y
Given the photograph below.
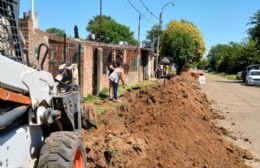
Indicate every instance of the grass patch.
{"type": "Point", "coordinates": [122, 91]}
{"type": "Point", "coordinates": [227, 76]}
{"type": "Point", "coordinates": [142, 84]}
{"type": "Point", "coordinates": [104, 94]}
{"type": "Point", "coordinates": [213, 73]}
{"type": "Point", "coordinates": [91, 99]}
{"type": "Point", "coordinates": [100, 109]}
{"type": "Point", "coordinates": [230, 76]}
{"type": "Point", "coordinates": [146, 83]}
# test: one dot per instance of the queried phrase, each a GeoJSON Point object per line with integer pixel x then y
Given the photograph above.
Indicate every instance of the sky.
{"type": "Point", "coordinates": [220, 21]}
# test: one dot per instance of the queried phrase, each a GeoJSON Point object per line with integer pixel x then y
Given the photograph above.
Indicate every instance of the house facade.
{"type": "Point", "coordinates": [93, 58]}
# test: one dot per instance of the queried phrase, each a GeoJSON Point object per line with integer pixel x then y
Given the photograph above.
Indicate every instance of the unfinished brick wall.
{"type": "Point", "coordinates": [58, 55]}
{"type": "Point", "coordinates": [41, 38]}
{"type": "Point", "coordinates": [32, 42]}
{"type": "Point", "coordinates": [130, 56]}
{"type": "Point", "coordinates": [26, 27]}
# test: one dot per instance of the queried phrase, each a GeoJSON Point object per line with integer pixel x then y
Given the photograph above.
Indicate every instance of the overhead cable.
{"type": "Point", "coordinates": [140, 12]}
{"type": "Point", "coordinates": [148, 10]}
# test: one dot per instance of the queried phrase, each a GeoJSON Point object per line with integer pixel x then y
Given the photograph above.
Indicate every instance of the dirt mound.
{"type": "Point", "coordinates": [162, 127]}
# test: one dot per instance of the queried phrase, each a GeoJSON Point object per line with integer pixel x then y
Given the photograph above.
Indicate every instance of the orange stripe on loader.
{"type": "Point", "coordinates": [14, 97]}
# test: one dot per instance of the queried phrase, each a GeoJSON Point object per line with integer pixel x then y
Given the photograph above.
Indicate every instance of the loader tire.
{"type": "Point", "coordinates": [63, 150]}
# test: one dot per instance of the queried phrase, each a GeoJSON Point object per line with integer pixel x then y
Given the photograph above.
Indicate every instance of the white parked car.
{"type": "Point", "coordinates": [253, 77]}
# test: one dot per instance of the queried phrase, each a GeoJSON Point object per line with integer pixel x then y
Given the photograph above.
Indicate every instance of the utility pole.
{"type": "Point", "coordinates": [138, 49]}
{"type": "Point", "coordinates": [99, 60]}
{"type": "Point", "coordinates": [153, 43]}
{"type": "Point", "coordinates": [32, 7]}
{"type": "Point", "coordinates": [100, 22]}
{"type": "Point", "coordinates": [139, 31]}
{"type": "Point", "coordinates": [158, 40]}
{"type": "Point", "coordinates": [159, 33]}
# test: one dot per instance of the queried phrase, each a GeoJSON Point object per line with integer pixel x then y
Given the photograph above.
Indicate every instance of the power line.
{"type": "Point", "coordinates": [140, 12]}
{"type": "Point", "coordinates": [149, 10]}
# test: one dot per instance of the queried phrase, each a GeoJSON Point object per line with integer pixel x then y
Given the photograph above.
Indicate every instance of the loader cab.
{"type": "Point", "coordinates": [10, 44]}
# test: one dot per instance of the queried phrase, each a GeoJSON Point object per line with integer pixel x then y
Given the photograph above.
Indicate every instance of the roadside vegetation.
{"type": "Point", "coordinates": [183, 41]}
{"type": "Point", "coordinates": [231, 76]}
{"type": "Point", "coordinates": [233, 57]}
{"type": "Point", "coordinates": [104, 95]}
{"type": "Point", "coordinates": [227, 76]}
{"type": "Point", "coordinates": [112, 31]}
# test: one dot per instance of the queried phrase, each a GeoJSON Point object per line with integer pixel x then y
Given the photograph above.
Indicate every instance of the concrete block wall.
{"type": "Point", "coordinates": [86, 70]}
{"type": "Point", "coordinates": [131, 59]}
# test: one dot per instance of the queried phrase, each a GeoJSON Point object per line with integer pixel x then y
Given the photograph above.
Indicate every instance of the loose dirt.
{"type": "Point", "coordinates": [160, 126]}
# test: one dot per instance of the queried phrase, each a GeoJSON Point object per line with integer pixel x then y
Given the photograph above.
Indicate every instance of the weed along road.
{"type": "Point", "coordinates": [241, 108]}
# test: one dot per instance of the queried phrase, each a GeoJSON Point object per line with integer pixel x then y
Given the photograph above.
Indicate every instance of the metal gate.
{"type": "Point", "coordinates": [63, 52]}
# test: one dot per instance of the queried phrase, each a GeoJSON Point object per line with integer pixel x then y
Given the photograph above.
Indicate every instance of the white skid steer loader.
{"type": "Point", "coordinates": [40, 117]}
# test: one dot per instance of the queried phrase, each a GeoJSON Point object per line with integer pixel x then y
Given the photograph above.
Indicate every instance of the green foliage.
{"type": "Point", "coordinates": [76, 32]}
{"type": "Point", "coordinates": [231, 76]}
{"type": "Point", "coordinates": [218, 57]}
{"type": "Point", "coordinates": [91, 98]}
{"type": "Point", "coordinates": [255, 30]}
{"type": "Point", "coordinates": [56, 31]}
{"type": "Point", "coordinates": [152, 37]}
{"type": "Point", "coordinates": [183, 41]}
{"type": "Point", "coordinates": [111, 32]}
{"type": "Point", "coordinates": [104, 93]}
{"type": "Point", "coordinates": [233, 57]}
{"type": "Point", "coordinates": [203, 64]}
{"type": "Point", "coordinates": [100, 109]}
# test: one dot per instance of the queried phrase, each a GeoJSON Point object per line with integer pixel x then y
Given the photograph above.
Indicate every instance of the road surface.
{"type": "Point", "coordinates": [240, 105]}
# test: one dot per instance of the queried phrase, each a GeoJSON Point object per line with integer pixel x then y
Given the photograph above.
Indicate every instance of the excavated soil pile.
{"type": "Point", "coordinates": [162, 127]}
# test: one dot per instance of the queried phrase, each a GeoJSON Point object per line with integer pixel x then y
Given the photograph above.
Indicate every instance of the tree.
{"type": "Point", "coordinates": [254, 31]}
{"type": "Point", "coordinates": [203, 64]}
{"type": "Point", "coordinates": [218, 57]}
{"type": "Point", "coordinates": [56, 31]}
{"type": "Point", "coordinates": [76, 32]}
{"type": "Point", "coordinates": [111, 32]}
{"type": "Point", "coordinates": [250, 52]}
{"type": "Point", "coordinates": [233, 57]}
{"type": "Point", "coordinates": [152, 37]}
{"type": "Point", "coordinates": [183, 41]}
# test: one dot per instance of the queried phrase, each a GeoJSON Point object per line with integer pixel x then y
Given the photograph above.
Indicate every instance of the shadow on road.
{"type": "Point", "coordinates": [238, 82]}
{"type": "Point", "coordinates": [228, 81]}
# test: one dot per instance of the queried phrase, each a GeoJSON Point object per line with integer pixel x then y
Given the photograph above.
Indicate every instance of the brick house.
{"type": "Point", "coordinates": [138, 63]}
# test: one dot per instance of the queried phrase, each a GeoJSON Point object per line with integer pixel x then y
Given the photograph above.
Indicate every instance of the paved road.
{"type": "Point", "coordinates": [241, 106]}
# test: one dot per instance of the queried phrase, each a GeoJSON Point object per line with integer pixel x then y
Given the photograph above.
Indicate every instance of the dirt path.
{"type": "Point", "coordinates": [241, 108]}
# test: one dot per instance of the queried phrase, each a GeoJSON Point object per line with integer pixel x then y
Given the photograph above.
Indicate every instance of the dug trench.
{"type": "Point", "coordinates": [157, 126]}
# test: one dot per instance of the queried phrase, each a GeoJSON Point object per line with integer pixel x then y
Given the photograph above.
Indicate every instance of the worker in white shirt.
{"type": "Point", "coordinates": [116, 76]}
